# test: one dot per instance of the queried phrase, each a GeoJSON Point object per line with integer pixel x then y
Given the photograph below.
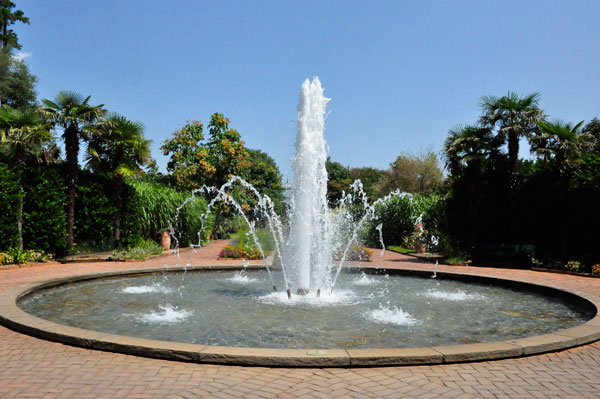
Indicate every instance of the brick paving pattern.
{"type": "Point", "coordinates": [34, 368]}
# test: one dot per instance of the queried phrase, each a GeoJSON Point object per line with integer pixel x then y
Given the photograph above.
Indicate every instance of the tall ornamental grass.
{"type": "Point", "coordinates": [153, 208]}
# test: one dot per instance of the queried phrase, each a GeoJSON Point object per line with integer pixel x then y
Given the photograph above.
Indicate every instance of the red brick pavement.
{"type": "Point", "coordinates": [34, 368]}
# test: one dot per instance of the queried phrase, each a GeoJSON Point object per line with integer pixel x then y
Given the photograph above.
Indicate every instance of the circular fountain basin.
{"type": "Point", "coordinates": [375, 318]}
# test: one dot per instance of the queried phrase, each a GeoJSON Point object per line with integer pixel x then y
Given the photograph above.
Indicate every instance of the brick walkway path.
{"type": "Point", "coordinates": [34, 368]}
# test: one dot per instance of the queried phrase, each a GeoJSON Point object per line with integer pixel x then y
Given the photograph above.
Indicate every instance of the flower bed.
{"type": "Point", "coordinates": [16, 256]}
{"type": "Point", "coordinates": [240, 251]}
{"type": "Point", "coordinates": [356, 253]}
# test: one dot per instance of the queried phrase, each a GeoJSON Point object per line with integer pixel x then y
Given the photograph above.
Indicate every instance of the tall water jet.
{"type": "Point", "coordinates": [309, 231]}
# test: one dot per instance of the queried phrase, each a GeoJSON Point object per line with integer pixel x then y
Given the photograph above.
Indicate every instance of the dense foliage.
{"type": "Point", "coordinates": [548, 202]}
{"type": "Point", "coordinates": [154, 208]}
{"type": "Point", "coordinates": [399, 216]}
{"type": "Point", "coordinates": [195, 161]}
{"type": "Point", "coordinates": [55, 205]}
{"type": "Point", "coordinates": [415, 173]}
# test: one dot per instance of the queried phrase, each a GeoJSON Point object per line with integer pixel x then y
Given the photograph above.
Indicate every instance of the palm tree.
{"type": "Point", "coordinates": [22, 131]}
{"type": "Point", "coordinates": [120, 149]}
{"type": "Point", "coordinates": [514, 117]}
{"type": "Point", "coordinates": [564, 142]}
{"type": "Point", "coordinates": [72, 112]}
{"type": "Point", "coordinates": [466, 149]}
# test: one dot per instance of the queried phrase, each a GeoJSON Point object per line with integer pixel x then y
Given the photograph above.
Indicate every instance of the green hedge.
{"type": "Point", "coordinates": [44, 224]}
{"type": "Point", "coordinates": [9, 199]}
{"type": "Point", "coordinates": [151, 207]}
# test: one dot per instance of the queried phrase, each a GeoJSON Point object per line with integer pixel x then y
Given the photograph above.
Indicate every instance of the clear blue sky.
{"type": "Point", "coordinates": [400, 74]}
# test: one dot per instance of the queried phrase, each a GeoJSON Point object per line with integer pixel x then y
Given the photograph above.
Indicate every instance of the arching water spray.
{"type": "Point", "coordinates": [316, 232]}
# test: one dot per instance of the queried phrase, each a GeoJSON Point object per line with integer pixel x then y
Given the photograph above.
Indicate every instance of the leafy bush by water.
{"type": "Point", "coordinates": [399, 214]}
{"type": "Point", "coordinates": [141, 250]}
{"type": "Point", "coordinates": [243, 236]}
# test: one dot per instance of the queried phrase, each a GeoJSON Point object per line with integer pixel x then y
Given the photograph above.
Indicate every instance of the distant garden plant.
{"type": "Point", "coordinates": [574, 266]}
{"type": "Point", "coordinates": [240, 251]}
{"type": "Point", "coordinates": [356, 253]}
{"type": "Point", "coordinates": [457, 260]}
{"type": "Point", "coordinates": [18, 256]}
{"type": "Point", "coordinates": [141, 250]}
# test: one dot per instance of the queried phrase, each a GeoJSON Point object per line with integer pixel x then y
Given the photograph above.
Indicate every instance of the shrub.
{"type": "Point", "coordinates": [45, 225]}
{"type": "Point", "coordinates": [399, 214]}
{"type": "Point", "coordinates": [356, 253]}
{"type": "Point", "coordinates": [456, 260]}
{"type": "Point", "coordinates": [243, 236]}
{"type": "Point", "coordinates": [94, 213]}
{"type": "Point", "coordinates": [574, 266]}
{"type": "Point", "coordinates": [141, 250]}
{"type": "Point", "coordinates": [240, 251]}
{"type": "Point", "coordinates": [20, 256]}
{"type": "Point", "coordinates": [9, 199]}
{"type": "Point", "coordinates": [596, 269]}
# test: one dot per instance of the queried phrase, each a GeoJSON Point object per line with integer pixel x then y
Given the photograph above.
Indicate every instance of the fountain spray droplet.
{"type": "Point", "coordinates": [435, 270]}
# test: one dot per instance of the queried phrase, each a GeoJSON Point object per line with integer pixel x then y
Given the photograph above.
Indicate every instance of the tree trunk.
{"type": "Point", "coordinates": [5, 35]}
{"type": "Point", "coordinates": [20, 223]}
{"type": "Point", "coordinates": [22, 178]}
{"type": "Point", "coordinates": [513, 171]}
{"type": "Point", "coordinates": [473, 190]}
{"type": "Point", "coordinates": [563, 189]}
{"type": "Point", "coordinates": [72, 150]}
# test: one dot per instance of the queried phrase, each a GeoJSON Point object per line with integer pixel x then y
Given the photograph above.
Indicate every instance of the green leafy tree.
{"type": "Point", "coordinates": [22, 131]}
{"type": "Point", "coordinates": [226, 151]}
{"type": "Point", "coordinates": [73, 113]}
{"type": "Point", "coordinates": [415, 173]}
{"type": "Point", "coordinates": [262, 172]}
{"type": "Point", "coordinates": [8, 17]}
{"type": "Point", "coordinates": [189, 159]}
{"type": "Point", "coordinates": [118, 149]}
{"type": "Point", "coordinates": [564, 143]}
{"type": "Point", "coordinates": [17, 84]}
{"type": "Point", "coordinates": [339, 180]}
{"type": "Point", "coordinates": [588, 171]}
{"type": "Point", "coordinates": [374, 181]}
{"type": "Point", "coordinates": [592, 130]}
{"type": "Point", "coordinates": [195, 161]}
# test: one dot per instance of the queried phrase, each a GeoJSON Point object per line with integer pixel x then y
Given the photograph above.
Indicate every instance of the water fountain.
{"type": "Point", "coordinates": [373, 309]}
{"type": "Point", "coordinates": [310, 233]}
{"type": "Point", "coordinates": [315, 235]}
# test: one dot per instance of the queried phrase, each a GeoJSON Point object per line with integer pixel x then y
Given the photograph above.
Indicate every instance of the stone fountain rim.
{"type": "Point", "coordinates": [15, 318]}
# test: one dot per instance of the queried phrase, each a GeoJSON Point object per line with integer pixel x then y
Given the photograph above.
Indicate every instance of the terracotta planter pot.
{"type": "Point", "coordinates": [165, 240]}
{"type": "Point", "coordinates": [420, 248]}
